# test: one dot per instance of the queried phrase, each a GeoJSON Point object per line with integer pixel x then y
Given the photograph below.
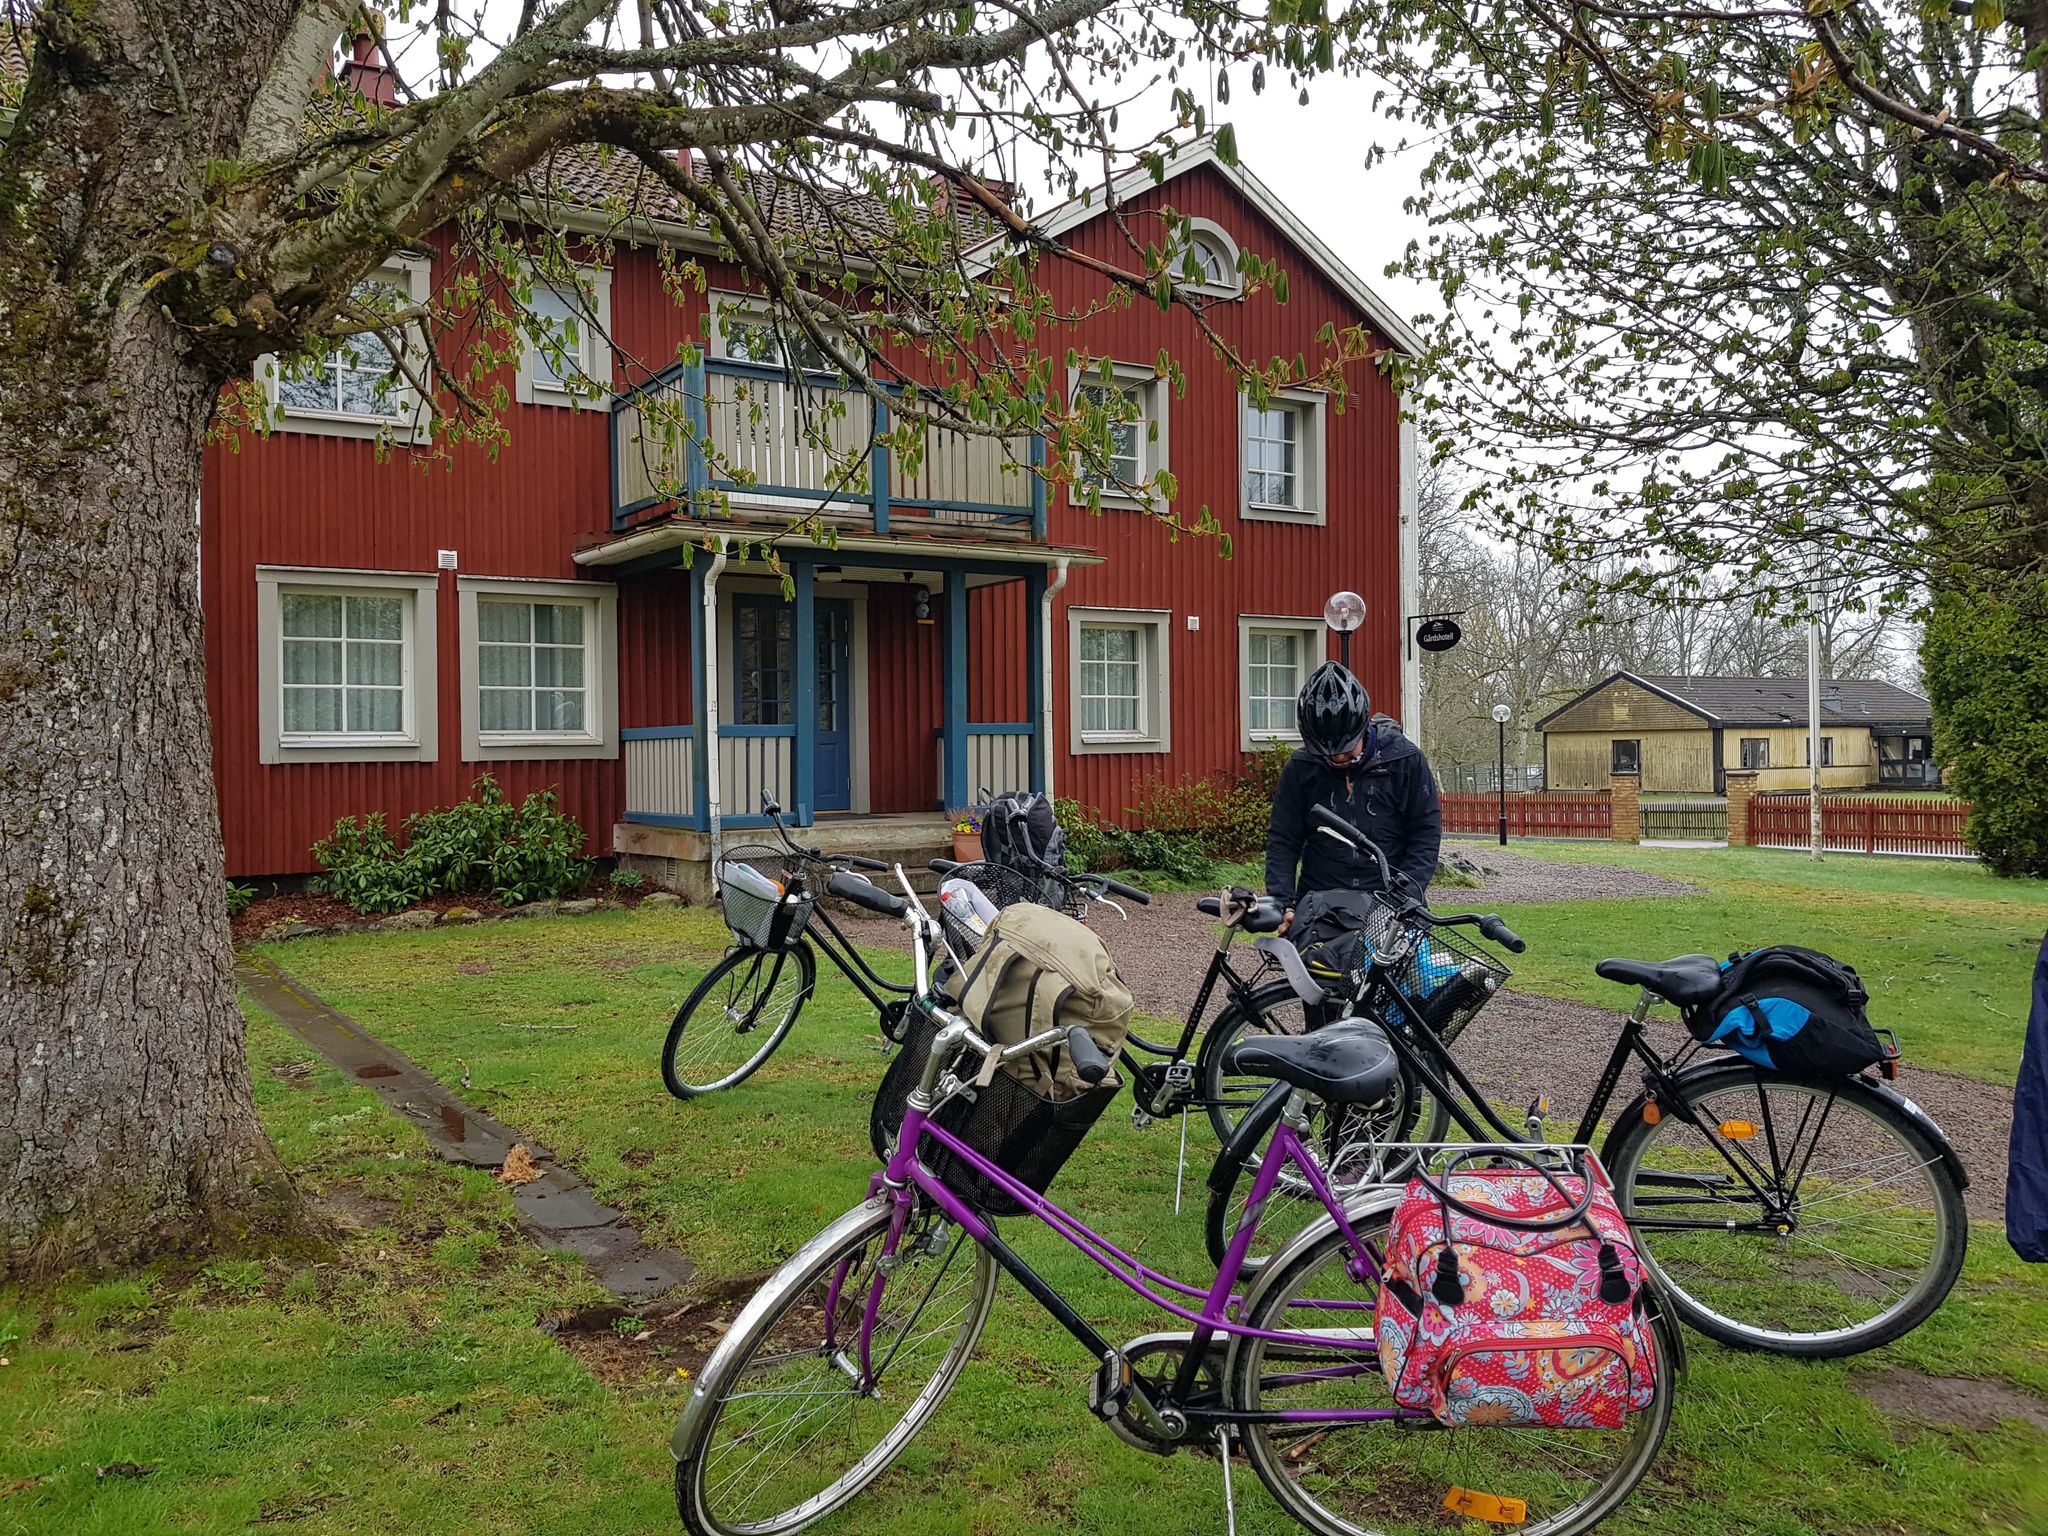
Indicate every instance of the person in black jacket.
{"type": "Point", "coordinates": [1362, 767]}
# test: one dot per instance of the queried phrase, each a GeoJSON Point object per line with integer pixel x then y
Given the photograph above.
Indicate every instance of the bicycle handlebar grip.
{"type": "Point", "coordinates": [1502, 935]}
{"type": "Point", "coordinates": [1330, 821]}
{"type": "Point", "coordinates": [857, 862]}
{"type": "Point", "coordinates": [863, 892]}
{"type": "Point", "coordinates": [1089, 1061]}
{"type": "Point", "coordinates": [943, 866]}
{"type": "Point", "coordinates": [1128, 892]}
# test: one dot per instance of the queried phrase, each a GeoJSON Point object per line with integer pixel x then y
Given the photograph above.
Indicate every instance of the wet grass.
{"type": "Point", "coordinates": [401, 1385]}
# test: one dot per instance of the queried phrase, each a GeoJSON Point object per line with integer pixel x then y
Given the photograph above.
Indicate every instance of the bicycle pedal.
{"type": "Point", "coordinates": [1110, 1393]}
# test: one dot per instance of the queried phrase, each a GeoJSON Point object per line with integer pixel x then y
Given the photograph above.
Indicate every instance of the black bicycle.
{"type": "Point", "coordinates": [748, 1002]}
{"type": "Point", "coordinates": [1802, 1215]}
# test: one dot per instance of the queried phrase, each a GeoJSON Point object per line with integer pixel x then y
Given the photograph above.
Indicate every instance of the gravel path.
{"type": "Point", "coordinates": [1518, 877]}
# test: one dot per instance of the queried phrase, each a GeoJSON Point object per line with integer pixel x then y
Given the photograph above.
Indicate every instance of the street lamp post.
{"type": "Point", "coordinates": [1501, 715]}
{"type": "Point", "coordinates": [1344, 612]}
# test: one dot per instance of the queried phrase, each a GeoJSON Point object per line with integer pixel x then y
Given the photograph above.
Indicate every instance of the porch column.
{"type": "Point", "coordinates": [1034, 672]}
{"type": "Point", "coordinates": [806, 692]}
{"type": "Point", "coordinates": [957, 791]}
{"type": "Point", "coordinates": [704, 739]}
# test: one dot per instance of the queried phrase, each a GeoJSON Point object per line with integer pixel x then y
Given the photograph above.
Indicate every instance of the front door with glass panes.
{"type": "Point", "coordinates": [764, 685]}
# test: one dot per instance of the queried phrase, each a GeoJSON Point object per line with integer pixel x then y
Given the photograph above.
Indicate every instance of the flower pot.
{"type": "Point", "coordinates": [967, 847]}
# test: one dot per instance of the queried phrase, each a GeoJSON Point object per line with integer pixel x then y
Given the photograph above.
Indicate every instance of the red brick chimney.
{"type": "Point", "coordinates": [368, 67]}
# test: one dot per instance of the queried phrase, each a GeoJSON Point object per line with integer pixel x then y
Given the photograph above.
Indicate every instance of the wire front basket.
{"type": "Point", "coordinates": [1436, 978]}
{"type": "Point", "coordinates": [762, 892]}
{"type": "Point", "coordinates": [1004, 887]}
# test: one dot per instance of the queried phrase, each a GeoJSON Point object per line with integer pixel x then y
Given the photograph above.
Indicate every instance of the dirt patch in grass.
{"type": "Point", "coordinates": [639, 1345]}
{"type": "Point", "coordinates": [1955, 1402]}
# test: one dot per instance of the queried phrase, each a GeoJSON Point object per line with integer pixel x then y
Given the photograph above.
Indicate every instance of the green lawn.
{"type": "Point", "coordinates": [400, 1384]}
{"type": "Point", "coordinates": [1946, 949]}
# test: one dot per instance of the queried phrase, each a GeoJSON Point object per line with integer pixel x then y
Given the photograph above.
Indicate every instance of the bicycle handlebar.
{"type": "Point", "coordinates": [1349, 835]}
{"type": "Point", "coordinates": [1089, 1062]}
{"type": "Point", "coordinates": [863, 892]}
{"type": "Point", "coordinates": [1487, 923]}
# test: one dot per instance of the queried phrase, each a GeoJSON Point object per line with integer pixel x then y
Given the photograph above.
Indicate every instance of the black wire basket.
{"type": "Point", "coordinates": [1028, 1137]}
{"type": "Point", "coordinates": [755, 918]}
{"type": "Point", "coordinates": [1436, 978]}
{"type": "Point", "coordinates": [1004, 887]}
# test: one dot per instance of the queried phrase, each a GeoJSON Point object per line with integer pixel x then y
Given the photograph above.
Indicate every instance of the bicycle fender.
{"type": "Point", "coordinates": [1246, 1136]}
{"type": "Point", "coordinates": [1863, 1087]}
{"type": "Point", "coordinates": [1292, 967]}
{"type": "Point", "coordinates": [740, 1335]}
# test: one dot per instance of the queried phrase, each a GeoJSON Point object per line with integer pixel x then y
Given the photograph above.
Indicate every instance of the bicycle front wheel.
{"type": "Point", "coordinates": [1391, 1479]}
{"type": "Point", "coordinates": [782, 1429]}
{"type": "Point", "coordinates": [1805, 1218]}
{"type": "Point", "coordinates": [735, 1018]}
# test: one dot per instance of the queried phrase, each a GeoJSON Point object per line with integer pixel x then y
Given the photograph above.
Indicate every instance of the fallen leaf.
{"type": "Point", "coordinates": [519, 1166]}
{"type": "Point", "coordinates": [643, 1335]}
{"type": "Point", "coordinates": [18, 1484]}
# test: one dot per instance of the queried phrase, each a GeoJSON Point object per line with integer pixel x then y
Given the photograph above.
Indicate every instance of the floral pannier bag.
{"type": "Point", "coordinates": [1532, 1313]}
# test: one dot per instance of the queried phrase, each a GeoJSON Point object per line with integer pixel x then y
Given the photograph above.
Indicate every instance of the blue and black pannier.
{"type": "Point", "coordinates": [1793, 1009]}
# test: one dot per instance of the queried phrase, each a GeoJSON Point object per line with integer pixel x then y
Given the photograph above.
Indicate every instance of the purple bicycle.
{"type": "Point", "coordinates": [845, 1354]}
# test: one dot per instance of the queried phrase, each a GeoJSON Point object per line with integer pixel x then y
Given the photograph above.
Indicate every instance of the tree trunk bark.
{"type": "Point", "coordinates": [126, 1123]}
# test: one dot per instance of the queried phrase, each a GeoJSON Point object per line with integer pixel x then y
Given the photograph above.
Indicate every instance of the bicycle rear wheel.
{"type": "Point", "coordinates": [1387, 1479]}
{"type": "Point", "coordinates": [735, 1018]}
{"type": "Point", "coordinates": [780, 1431]}
{"type": "Point", "coordinates": [1851, 1236]}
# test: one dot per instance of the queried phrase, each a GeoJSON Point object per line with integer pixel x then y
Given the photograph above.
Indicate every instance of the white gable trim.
{"type": "Point", "coordinates": [1077, 211]}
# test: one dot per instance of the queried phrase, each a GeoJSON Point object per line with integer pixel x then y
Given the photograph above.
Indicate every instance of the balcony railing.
{"type": "Point", "coordinates": [749, 433]}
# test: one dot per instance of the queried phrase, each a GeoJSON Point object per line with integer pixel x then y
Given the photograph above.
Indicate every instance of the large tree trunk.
{"type": "Point", "coordinates": [126, 1125]}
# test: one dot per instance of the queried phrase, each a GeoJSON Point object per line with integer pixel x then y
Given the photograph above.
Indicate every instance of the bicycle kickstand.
{"type": "Point", "coordinates": [1181, 1169]}
{"type": "Point", "coordinates": [1229, 1504]}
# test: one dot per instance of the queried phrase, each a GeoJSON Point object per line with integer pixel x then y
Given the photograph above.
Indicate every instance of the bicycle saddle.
{"type": "Point", "coordinates": [1265, 914]}
{"type": "Point", "coordinates": [1687, 981]}
{"type": "Point", "coordinates": [1346, 1063]}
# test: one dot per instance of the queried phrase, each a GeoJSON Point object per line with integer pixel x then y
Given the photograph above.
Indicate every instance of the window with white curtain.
{"type": "Point", "coordinates": [1275, 683]}
{"type": "Point", "coordinates": [1112, 680]}
{"type": "Point", "coordinates": [532, 667]}
{"type": "Point", "coordinates": [344, 665]}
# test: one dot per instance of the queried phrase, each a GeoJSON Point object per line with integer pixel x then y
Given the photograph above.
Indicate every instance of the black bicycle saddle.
{"type": "Point", "coordinates": [1687, 981]}
{"type": "Point", "coordinates": [1345, 1063]}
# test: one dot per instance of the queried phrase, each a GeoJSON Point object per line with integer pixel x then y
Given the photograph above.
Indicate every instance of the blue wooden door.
{"type": "Point", "coordinates": [834, 789]}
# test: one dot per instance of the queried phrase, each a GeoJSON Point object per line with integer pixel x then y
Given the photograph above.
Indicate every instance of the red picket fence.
{"type": "Point", "coordinates": [1862, 824]}
{"type": "Point", "coordinates": [1531, 815]}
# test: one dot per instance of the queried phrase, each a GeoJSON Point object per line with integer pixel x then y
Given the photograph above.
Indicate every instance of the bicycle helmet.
{"type": "Point", "coordinates": [1334, 710]}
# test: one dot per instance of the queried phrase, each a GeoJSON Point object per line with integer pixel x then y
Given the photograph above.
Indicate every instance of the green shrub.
{"type": "Point", "coordinates": [1986, 660]}
{"type": "Point", "coordinates": [626, 879]}
{"type": "Point", "coordinates": [239, 898]}
{"type": "Point", "coordinates": [483, 846]}
{"type": "Point", "coordinates": [1227, 815]}
{"type": "Point", "coordinates": [1091, 844]}
{"type": "Point", "coordinates": [1176, 855]}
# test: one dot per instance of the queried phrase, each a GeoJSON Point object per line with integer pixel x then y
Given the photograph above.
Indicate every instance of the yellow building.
{"type": "Point", "coordinates": [1685, 733]}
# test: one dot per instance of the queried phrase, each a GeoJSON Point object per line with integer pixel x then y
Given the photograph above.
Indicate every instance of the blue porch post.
{"type": "Point", "coordinates": [1034, 668]}
{"type": "Point", "coordinates": [805, 701]}
{"type": "Point", "coordinates": [878, 468]}
{"type": "Point", "coordinates": [958, 793]}
{"type": "Point", "coordinates": [705, 739]}
{"type": "Point", "coordinates": [1038, 520]}
{"type": "Point", "coordinates": [697, 425]}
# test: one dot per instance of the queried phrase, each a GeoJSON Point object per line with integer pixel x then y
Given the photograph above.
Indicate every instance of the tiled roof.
{"type": "Point", "coordinates": [1782, 700]}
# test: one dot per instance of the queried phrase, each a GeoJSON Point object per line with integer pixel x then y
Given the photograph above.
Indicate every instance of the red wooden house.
{"type": "Point", "coordinates": [380, 633]}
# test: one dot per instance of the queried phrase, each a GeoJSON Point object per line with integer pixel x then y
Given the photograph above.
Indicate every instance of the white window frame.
{"type": "Point", "coordinates": [752, 306]}
{"type": "Point", "coordinates": [593, 353]}
{"type": "Point", "coordinates": [419, 741]}
{"type": "Point", "coordinates": [1209, 232]}
{"type": "Point", "coordinates": [1314, 647]}
{"type": "Point", "coordinates": [600, 736]}
{"type": "Point", "coordinates": [1311, 447]}
{"type": "Point", "coordinates": [1151, 392]}
{"type": "Point", "coordinates": [411, 423]}
{"type": "Point", "coordinates": [1155, 680]}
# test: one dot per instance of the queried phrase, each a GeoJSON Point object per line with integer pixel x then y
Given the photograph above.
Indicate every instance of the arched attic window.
{"type": "Point", "coordinates": [1215, 257]}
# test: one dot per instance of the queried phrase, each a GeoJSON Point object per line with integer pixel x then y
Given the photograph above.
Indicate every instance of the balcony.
{"type": "Point", "coordinates": [766, 444]}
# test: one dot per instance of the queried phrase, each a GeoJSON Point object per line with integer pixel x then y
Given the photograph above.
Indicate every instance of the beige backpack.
{"type": "Point", "coordinates": [1036, 969]}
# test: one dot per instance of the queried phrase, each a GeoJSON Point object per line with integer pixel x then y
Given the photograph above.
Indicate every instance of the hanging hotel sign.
{"type": "Point", "coordinates": [1439, 634]}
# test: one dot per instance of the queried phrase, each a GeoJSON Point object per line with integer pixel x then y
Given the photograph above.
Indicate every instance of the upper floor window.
{"type": "Point", "coordinates": [1205, 261]}
{"type": "Point", "coordinates": [1134, 403]}
{"type": "Point", "coordinates": [1283, 453]}
{"type": "Point", "coordinates": [567, 358]}
{"type": "Point", "coordinates": [357, 387]}
{"type": "Point", "coordinates": [345, 665]}
{"type": "Point", "coordinates": [750, 330]}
